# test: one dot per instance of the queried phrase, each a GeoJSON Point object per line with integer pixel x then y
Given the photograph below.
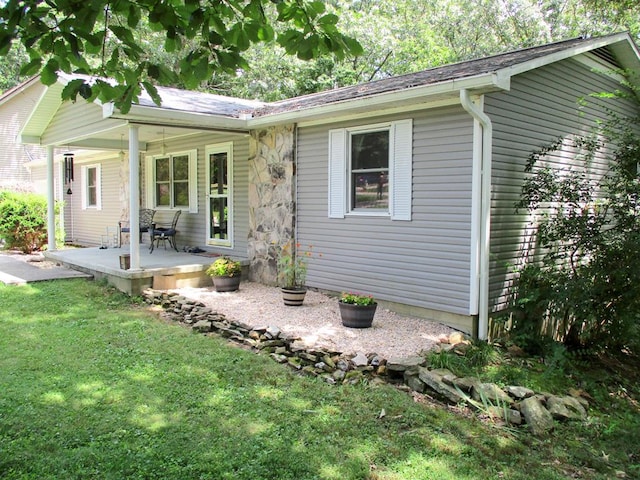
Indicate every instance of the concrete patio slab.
{"type": "Point", "coordinates": [18, 271]}
{"type": "Point", "coordinates": [162, 269]}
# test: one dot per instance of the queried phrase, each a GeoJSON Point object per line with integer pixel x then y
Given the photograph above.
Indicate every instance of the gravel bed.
{"type": "Point", "coordinates": [318, 322]}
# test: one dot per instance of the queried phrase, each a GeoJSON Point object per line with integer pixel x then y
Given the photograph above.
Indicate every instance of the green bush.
{"type": "Point", "coordinates": [23, 221]}
{"type": "Point", "coordinates": [583, 286]}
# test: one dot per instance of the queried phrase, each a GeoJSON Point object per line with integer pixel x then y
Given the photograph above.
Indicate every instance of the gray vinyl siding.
{"type": "Point", "coordinates": [541, 106]}
{"type": "Point", "coordinates": [192, 227]}
{"type": "Point", "coordinates": [424, 262]}
{"type": "Point", "coordinates": [39, 180]}
{"type": "Point", "coordinates": [84, 227]}
{"type": "Point", "coordinates": [13, 156]}
{"type": "Point", "coordinates": [87, 226]}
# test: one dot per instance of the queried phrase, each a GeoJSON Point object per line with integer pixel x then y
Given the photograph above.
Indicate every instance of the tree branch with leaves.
{"type": "Point", "coordinates": [102, 39]}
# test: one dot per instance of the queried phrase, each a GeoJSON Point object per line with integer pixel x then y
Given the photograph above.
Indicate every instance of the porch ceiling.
{"type": "Point", "coordinates": [117, 137]}
{"type": "Point", "coordinates": [112, 135]}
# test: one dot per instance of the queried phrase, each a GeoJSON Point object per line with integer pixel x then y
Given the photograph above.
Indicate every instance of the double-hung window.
{"type": "Point", "coordinates": [370, 170]}
{"type": "Point", "coordinates": [171, 181]}
{"type": "Point", "coordinates": [91, 191]}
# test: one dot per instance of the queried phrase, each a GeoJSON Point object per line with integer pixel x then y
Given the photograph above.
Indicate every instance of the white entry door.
{"type": "Point", "coordinates": [219, 194]}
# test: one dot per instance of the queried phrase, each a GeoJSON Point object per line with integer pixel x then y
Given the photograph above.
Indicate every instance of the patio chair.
{"type": "Point", "coordinates": [164, 233]}
{"type": "Point", "coordinates": [145, 220]}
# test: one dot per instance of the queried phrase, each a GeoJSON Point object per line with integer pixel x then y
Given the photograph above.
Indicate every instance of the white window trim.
{"type": "Point", "coordinates": [400, 171]}
{"type": "Point", "coordinates": [193, 180]}
{"type": "Point", "coordinates": [84, 194]}
{"type": "Point", "coordinates": [227, 148]}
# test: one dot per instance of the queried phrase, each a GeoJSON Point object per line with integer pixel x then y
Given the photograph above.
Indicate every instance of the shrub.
{"type": "Point", "coordinates": [224, 267]}
{"type": "Point", "coordinates": [583, 288]}
{"type": "Point", "coordinates": [23, 221]}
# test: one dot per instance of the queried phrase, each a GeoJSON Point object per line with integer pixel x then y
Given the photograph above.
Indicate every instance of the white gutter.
{"type": "Point", "coordinates": [408, 96]}
{"type": "Point", "coordinates": [482, 189]}
{"type": "Point", "coordinates": [175, 118]}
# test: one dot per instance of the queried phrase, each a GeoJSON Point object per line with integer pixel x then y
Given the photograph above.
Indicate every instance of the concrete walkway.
{"type": "Point", "coordinates": [17, 270]}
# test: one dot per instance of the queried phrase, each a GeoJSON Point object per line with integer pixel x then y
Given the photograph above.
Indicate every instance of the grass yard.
{"type": "Point", "coordinates": [93, 386]}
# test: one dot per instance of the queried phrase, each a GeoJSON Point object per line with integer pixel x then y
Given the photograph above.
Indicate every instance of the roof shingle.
{"type": "Point", "coordinates": [431, 76]}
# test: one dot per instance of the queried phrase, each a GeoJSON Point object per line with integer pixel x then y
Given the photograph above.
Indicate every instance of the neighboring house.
{"type": "Point", "coordinates": [406, 185]}
{"type": "Point", "coordinates": [16, 105]}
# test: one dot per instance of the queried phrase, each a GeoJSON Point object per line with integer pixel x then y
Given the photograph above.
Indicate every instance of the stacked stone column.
{"type": "Point", "coordinates": [272, 205]}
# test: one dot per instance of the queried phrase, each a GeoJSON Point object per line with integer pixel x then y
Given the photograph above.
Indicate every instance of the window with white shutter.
{"type": "Point", "coordinates": [370, 170]}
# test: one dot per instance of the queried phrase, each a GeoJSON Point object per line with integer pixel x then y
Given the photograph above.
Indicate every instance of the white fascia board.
{"type": "Point", "coordinates": [105, 144]}
{"type": "Point", "coordinates": [88, 143]}
{"type": "Point", "coordinates": [483, 83]}
{"type": "Point", "coordinates": [159, 116]}
{"type": "Point", "coordinates": [435, 103]}
{"type": "Point", "coordinates": [12, 92]}
{"type": "Point", "coordinates": [81, 156]}
{"type": "Point", "coordinates": [41, 115]}
{"type": "Point", "coordinates": [28, 139]}
{"type": "Point", "coordinates": [564, 54]}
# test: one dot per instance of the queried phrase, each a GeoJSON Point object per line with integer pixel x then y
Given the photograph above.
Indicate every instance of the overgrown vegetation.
{"type": "Point", "coordinates": [608, 440]}
{"type": "Point", "coordinates": [94, 386]}
{"type": "Point", "coordinates": [23, 220]}
{"type": "Point", "coordinates": [582, 283]}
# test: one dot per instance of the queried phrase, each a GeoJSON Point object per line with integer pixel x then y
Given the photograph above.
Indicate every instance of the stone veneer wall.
{"type": "Point", "coordinates": [272, 197]}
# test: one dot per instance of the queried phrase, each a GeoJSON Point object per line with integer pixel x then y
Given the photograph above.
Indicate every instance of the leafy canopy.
{"type": "Point", "coordinates": [101, 38]}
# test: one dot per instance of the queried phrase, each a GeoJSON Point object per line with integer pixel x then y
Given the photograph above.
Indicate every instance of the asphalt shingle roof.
{"type": "Point", "coordinates": [431, 76]}
{"type": "Point", "coordinates": [198, 102]}
{"type": "Point", "coordinates": [219, 105]}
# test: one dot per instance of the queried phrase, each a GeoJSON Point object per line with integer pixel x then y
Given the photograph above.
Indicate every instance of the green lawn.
{"type": "Point", "coordinates": [95, 386]}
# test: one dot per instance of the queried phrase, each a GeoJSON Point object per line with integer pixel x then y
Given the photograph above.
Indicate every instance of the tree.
{"type": "Point", "coordinates": [101, 38]}
{"type": "Point", "coordinates": [402, 36]}
{"type": "Point", "coordinates": [215, 51]}
{"type": "Point", "coordinates": [10, 68]}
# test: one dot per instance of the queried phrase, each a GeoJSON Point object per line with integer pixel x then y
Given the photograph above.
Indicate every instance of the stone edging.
{"type": "Point", "coordinates": [514, 405]}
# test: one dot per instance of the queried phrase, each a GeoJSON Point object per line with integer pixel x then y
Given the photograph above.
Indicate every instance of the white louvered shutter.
{"type": "Point", "coordinates": [401, 169]}
{"type": "Point", "coordinates": [337, 172]}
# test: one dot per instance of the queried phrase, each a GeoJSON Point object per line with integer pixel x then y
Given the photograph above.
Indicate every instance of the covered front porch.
{"type": "Point", "coordinates": [187, 155]}
{"type": "Point", "coordinates": [162, 269]}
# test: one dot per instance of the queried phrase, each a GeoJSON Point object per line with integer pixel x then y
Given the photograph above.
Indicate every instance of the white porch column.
{"type": "Point", "coordinates": [134, 197]}
{"type": "Point", "coordinates": [51, 202]}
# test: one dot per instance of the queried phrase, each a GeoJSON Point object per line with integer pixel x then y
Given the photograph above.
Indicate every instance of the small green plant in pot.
{"type": "Point", "coordinates": [226, 274]}
{"type": "Point", "coordinates": [357, 310]}
{"type": "Point", "coordinates": [292, 273]}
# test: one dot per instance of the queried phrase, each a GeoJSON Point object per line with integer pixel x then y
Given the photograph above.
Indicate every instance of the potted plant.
{"type": "Point", "coordinates": [226, 274]}
{"type": "Point", "coordinates": [292, 274]}
{"type": "Point", "coordinates": [357, 310]}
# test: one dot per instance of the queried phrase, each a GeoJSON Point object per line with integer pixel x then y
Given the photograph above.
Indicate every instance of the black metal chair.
{"type": "Point", "coordinates": [165, 233]}
{"type": "Point", "coordinates": [145, 220]}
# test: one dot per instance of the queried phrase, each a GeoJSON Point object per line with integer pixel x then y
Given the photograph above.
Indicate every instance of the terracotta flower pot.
{"type": "Point", "coordinates": [357, 316]}
{"type": "Point", "coordinates": [293, 296]}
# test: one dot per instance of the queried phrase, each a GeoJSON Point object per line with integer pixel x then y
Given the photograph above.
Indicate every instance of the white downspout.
{"type": "Point", "coordinates": [51, 202]}
{"type": "Point", "coordinates": [484, 187]}
{"type": "Point", "coordinates": [134, 198]}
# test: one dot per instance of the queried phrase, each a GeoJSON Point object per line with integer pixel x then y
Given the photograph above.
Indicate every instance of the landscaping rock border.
{"type": "Point", "coordinates": [514, 405]}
